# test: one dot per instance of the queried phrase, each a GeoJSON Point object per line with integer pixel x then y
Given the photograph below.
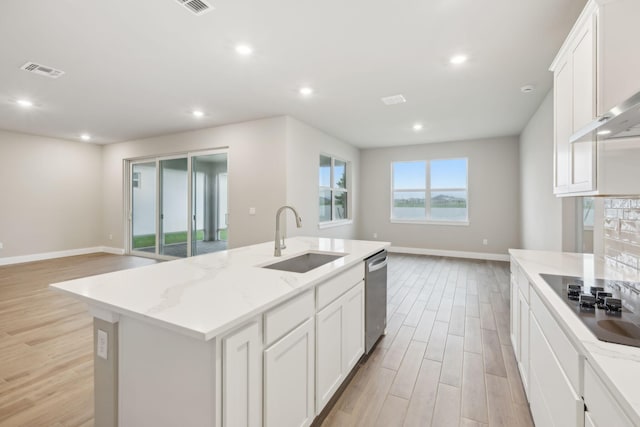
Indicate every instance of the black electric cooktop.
{"type": "Point", "coordinates": [606, 307]}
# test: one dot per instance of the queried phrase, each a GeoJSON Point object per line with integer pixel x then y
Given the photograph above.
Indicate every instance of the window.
{"type": "Point", "coordinates": [587, 213]}
{"type": "Point", "coordinates": [333, 195]}
{"type": "Point", "coordinates": [434, 190]}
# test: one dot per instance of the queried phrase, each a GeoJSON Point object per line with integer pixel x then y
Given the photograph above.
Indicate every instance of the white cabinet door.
{"type": "Point", "coordinates": [330, 323]}
{"type": "Point", "coordinates": [563, 125]}
{"type": "Point", "coordinates": [515, 317]}
{"type": "Point", "coordinates": [575, 105]}
{"type": "Point", "coordinates": [353, 330]}
{"type": "Point", "coordinates": [242, 377]}
{"type": "Point", "coordinates": [553, 400]}
{"type": "Point", "coordinates": [584, 107]}
{"type": "Point", "coordinates": [339, 342]}
{"type": "Point", "coordinates": [523, 344]}
{"type": "Point", "coordinates": [289, 379]}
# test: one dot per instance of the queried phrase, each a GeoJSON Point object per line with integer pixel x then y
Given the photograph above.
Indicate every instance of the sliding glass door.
{"type": "Point", "coordinates": [174, 207]}
{"type": "Point", "coordinates": [178, 205]}
{"type": "Point", "coordinates": [143, 207]}
{"type": "Point", "coordinates": [209, 203]}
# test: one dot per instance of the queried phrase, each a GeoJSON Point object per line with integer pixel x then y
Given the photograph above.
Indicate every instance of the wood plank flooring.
{"type": "Point", "coordinates": [46, 351]}
{"type": "Point", "coordinates": [447, 358]}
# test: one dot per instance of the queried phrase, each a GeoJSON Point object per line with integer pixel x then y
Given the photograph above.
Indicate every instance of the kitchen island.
{"type": "Point", "coordinates": [570, 377]}
{"type": "Point", "coordinates": [218, 340]}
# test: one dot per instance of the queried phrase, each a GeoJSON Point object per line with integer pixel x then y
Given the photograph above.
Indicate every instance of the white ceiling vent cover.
{"type": "Point", "coordinates": [42, 70]}
{"type": "Point", "coordinates": [198, 7]}
{"type": "Point", "coordinates": [394, 99]}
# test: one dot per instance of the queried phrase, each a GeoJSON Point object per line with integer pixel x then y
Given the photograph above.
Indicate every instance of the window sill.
{"type": "Point", "coordinates": [429, 222]}
{"type": "Point", "coordinates": [333, 224]}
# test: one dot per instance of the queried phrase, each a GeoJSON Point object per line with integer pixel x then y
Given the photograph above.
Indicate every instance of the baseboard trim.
{"type": "Point", "coordinates": [59, 254]}
{"type": "Point", "coordinates": [110, 250]}
{"type": "Point", "coordinates": [451, 254]}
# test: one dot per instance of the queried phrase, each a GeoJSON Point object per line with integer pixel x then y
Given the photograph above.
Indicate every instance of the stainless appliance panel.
{"type": "Point", "coordinates": [375, 278]}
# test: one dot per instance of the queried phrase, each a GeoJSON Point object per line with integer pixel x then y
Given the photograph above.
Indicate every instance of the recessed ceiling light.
{"type": "Point", "coordinates": [85, 137]}
{"type": "Point", "coordinates": [244, 49]}
{"type": "Point", "coordinates": [418, 127]}
{"type": "Point", "coordinates": [24, 103]}
{"type": "Point", "coordinates": [306, 91]}
{"type": "Point", "coordinates": [527, 89]}
{"type": "Point", "coordinates": [458, 59]}
{"type": "Point", "coordinates": [197, 113]}
{"type": "Point", "coordinates": [604, 132]}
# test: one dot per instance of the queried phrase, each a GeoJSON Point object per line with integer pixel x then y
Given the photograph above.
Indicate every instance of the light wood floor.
{"type": "Point", "coordinates": [447, 358]}
{"type": "Point", "coordinates": [46, 351]}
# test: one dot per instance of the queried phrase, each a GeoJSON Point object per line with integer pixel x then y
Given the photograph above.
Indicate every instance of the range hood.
{"type": "Point", "coordinates": [622, 121]}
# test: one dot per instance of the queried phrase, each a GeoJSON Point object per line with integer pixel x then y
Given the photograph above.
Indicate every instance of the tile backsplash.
{"type": "Point", "coordinates": [622, 232]}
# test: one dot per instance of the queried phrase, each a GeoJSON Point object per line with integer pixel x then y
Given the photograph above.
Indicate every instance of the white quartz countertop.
{"type": "Point", "coordinates": [617, 365]}
{"type": "Point", "coordinates": [206, 295]}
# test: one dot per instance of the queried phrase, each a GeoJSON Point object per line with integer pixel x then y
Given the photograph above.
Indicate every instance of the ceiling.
{"type": "Point", "coordinates": [136, 69]}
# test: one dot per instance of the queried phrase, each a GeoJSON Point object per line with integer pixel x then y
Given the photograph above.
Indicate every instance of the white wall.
{"type": "Point", "coordinates": [257, 175]}
{"type": "Point", "coordinates": [493, 197]}
{"type": "Point", "coordinates": [548, 222]}
{"type": "Point", "coordinates": [50, 194]}
{"type": "Point", "coordinates": [304, 145]}
{"type": "Point", "coordinates": [541, 210]}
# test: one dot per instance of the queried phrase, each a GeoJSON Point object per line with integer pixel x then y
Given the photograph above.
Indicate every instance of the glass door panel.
{"type": "Point", "coordinates": [143, 209]}
{"type": "Point", "coordinates": [208, 203]}
{"type": "Point", "coordinates": [174, 207]}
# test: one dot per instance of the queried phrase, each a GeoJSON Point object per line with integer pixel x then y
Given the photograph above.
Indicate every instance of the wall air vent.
{"type": "Point", "coordinates": [394, 99]}
{"type": "Point", "coordinates": [198, 7]}
{"type": "Point", "coordinates": [42, 70]}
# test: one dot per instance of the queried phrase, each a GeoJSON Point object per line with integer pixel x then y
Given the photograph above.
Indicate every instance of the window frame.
{"type": "Point", "coordinates": [333, 188]}
{"type": "Point", "coordinates": [428, 190]}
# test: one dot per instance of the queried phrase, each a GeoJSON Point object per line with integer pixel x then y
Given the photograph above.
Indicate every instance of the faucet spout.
{"type": "Point", "coordinates": [278, 243]}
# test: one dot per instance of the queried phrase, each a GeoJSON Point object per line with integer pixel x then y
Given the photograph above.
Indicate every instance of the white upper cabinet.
{"type": "Point", "coordinates": [575, 107]}
{"type": "Point", "coordinates": [594, 71]}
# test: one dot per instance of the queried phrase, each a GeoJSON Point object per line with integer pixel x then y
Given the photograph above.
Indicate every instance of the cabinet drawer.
{"type": "Point", "coordinates": [338, 285]}
{"type": "Point", "coordinates": [602, 407]}
{"type": "Point", "coordinates": [566, 353]}
{"type": "Point", "coordinates": [523, 284]}
{"type": "Point", "coordinates": [554, 402]}
{"type": "Point", "coordinates": [287, 316]}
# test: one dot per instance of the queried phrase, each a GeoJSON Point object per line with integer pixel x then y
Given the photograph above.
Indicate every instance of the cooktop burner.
{"type": "Point", "coordinates": [606, 307]}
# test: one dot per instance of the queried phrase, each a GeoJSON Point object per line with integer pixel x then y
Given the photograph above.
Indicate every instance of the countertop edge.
{"type": "Point", "coordinates": [207, 335]}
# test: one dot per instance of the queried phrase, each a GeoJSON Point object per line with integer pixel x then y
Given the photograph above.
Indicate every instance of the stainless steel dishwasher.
{"type": "Point", "coordinates": [375, 307]}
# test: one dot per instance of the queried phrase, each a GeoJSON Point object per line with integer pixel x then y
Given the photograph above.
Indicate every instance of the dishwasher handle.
{"type": "Point", "coordinates": [377, 264]}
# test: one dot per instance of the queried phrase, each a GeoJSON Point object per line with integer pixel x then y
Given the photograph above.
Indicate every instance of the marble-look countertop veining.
{"type": "Point", "coordinates": [206, 295]}
{"type": "Point", "coordinates": [617, 365]}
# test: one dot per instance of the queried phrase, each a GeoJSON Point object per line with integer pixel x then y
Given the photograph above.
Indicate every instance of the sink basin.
{"type": "Point", "coordinates": [305, 262]}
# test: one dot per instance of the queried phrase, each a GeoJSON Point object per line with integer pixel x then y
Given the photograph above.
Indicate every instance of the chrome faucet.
{"type": "Point", "coordinates": [280, 245]}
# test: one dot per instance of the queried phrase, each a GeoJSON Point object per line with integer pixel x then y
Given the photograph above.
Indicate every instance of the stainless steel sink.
{"type": "Point", "coordinates": [305, 262]}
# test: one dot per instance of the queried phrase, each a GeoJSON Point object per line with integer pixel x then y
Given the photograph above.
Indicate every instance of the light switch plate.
{"type": "Point", "coordinates": [102, 344]}
{"type": "Point", "coordinates": [252, 211]}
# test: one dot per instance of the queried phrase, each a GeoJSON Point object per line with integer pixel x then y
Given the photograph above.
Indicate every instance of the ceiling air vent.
{"type": "Point", "coordinates": [198, 7]}
{"type": "Point", "coordinates": [42, 70]}
{"type": "Point", "coordinates": [394, 99]}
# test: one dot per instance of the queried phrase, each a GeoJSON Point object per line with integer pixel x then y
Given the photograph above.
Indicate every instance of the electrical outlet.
{"type": "Point", "coordinates": [110, 236]}
{"type": "Point", "coordinates": [1, 245]}
{"type": "Point", "coordinates": [375, 235]}
{"type": "Point", "coordinates": [252, 211]}
{"type": "Point", "coordinates": [485, 242]}
{"type": "Point", "coordinates": [102, 344]}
